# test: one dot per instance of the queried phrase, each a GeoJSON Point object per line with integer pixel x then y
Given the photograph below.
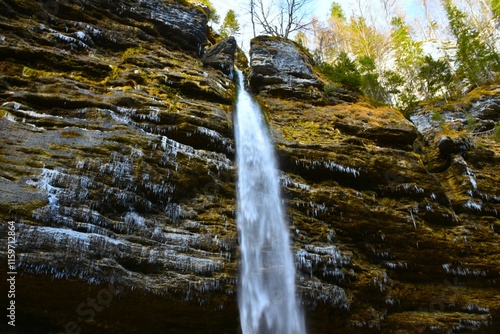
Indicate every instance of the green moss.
{"type": "Point", "coordinates": [115, 72]}
{"type": "Point", "coordinates": [77, 76]}
{"type": "Point", "coordinates": [34, 74]}
{"type": "Point", "coordinates": [496, 133]}
{"type": "Point", "coordinates": [331, 89]}
{"type": "Point", "coordinates": [130, 52]}
{"type": "Point", "coordinates": [33, 150]}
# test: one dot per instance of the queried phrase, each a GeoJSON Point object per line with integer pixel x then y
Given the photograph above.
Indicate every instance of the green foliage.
{"type": "Point", "coordinates": [496, 133]}
{"type": "Point", "coordinates": [370, 84]}
{"type": "Point", "coordinates": [392, 81]}
{"type": "Point", "coordinates": [409, 54]}
{"type": "Point", "coordinates": [471, 122]}
{"type": "Point", "coordinates": [343, 71]}
{"type": "Point", "coordinates": [437, 117]}
{"type": "Point", "coordinates": [331, 89]}
{"type": "Point", "coordinates": [336, 11]}
{"type": "Point", "coordinates": [367, 64]}
{"type": "Point", "coordinates": [230, 25]}
{"type": "Point", "coordinates": [214, 17]}
{"type": "Point", "coordinates": [407, 101]}
{"type": "Point", "coordinates": [409, 58]}
{"type": "Point", "coordinates": [495, 7]}
{"type": "Point", "coordinates": [434, 75]}
{"type": "Point", "coordinates": [476, 61]}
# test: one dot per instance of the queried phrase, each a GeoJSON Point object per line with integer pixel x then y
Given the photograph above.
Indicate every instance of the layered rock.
{"type": "Point", "coordinates": [386, 242]}
{"type": "Point", "coordinates": [281, 68]}
{"type": "Point", "coordinates": [221, 55]}
{"type": "Point", "coordinates": [117, 169]}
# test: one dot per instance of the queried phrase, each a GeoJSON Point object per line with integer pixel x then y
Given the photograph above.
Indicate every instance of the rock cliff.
{"type": "Point", "coordinates": [117, 167]}
{"type": "Point", "coordinates": [396, 222]}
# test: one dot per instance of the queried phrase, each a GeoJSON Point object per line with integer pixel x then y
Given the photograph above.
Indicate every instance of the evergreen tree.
{"type": "Point", "coordinates": [336, 11]}
{"type": "Point", "coordinates": [408, 59]}
{"type": "Point", "coordinates": [370, 84]}
{"type": "Point", "coordinates": [230, 25]}
{"type": "Point", "coordinates": [476, 61]}
{"type": "Point", "coordinates": [435, 75]}
{"type": "Point", "coordinates": [343, 71]}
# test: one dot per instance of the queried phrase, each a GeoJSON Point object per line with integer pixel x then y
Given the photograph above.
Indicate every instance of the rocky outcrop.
{"type": "Point", "coordinates": [106, 24]}
{"type": "Point", "coordinates": [280, 68]}
{"type": "Point", "coordinates": [221, 55]}
{"type": "Point", "coordinates": [457, 146]}
{"type": "Point", "coordinates": [118, 174]}
{"type": "Point", "coordinates": [389, 242]}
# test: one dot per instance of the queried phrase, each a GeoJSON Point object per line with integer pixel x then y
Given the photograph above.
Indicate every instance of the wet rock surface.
{"type": "Point", "coordinates": [221, 55]}
{"type": "Point", "coordinates": [390, 242]}
{"type": "Point", "coordinates": [117, 167]}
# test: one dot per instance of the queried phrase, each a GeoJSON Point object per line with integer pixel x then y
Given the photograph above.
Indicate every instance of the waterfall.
{"type": "Point", "coordinates": [267, 298]}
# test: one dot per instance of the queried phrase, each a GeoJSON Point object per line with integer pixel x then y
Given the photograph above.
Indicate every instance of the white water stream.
{"type": "Point", "coordinates": [267, 297]}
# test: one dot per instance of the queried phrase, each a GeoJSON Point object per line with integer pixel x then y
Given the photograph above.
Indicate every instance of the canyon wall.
{"type": "Point", "coordinates": [117, 168]}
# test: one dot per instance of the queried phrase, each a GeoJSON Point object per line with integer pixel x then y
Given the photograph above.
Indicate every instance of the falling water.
{"type": "Point", "coordinates": [267, 298]}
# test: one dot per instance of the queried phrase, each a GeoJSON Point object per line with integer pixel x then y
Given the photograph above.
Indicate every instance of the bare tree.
{"type": "Point", "coordinates": [280, 17]}
{"type": "Point", "coordinates": [252, 9]}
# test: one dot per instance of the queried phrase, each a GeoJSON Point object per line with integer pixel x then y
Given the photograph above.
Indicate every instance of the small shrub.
{"type": "Point", "coordinates": [331, 89]}
{"type": "Point", "coordinates": [496, 133]}
{"type": "Point", "coordinates": [437, 117]}
{"type": "Point", "coordinates": [471, 122]}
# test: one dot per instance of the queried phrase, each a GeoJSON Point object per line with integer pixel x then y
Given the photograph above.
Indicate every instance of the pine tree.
{"type": "Point", "coordinates": [476, 61]}
{"type": "Point", "coordinates": [336, 11]}
{"type": "Point", "coordinates": [370, 84]}
{"type": "Point", "coordinates": [435, 75]}
{"type": "Point", "coordinates": [409, 58]}
{"type": "Point", "coordinates": [343, 71]}
{"type": "Point", "coordinates": [230, 25]}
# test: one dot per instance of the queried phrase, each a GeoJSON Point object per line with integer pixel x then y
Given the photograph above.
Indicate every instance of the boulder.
{"type": "Point", "coordinates": [279, 67]}
{"type": "Point", "coordinates": [221, 55]}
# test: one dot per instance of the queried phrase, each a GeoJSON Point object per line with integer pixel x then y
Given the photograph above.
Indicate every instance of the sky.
{"type": "Point", "coordinates": [318, 8]}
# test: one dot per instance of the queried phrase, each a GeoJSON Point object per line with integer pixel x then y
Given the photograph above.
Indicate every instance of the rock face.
{"type": "Point", "coordinates": [117, 148]}
{"type": "Point", "coordinates": [221, 55]}
{"type": "Point", "coordinates": [117, 171]}
{"type": "Point", "coordinates": [385, 242]}
{"type": "Point", "coordinates": [281, 68]}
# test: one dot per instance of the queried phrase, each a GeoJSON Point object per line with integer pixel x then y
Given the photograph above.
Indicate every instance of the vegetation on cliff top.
{"type": "Point", "coordinates": [393, 63]}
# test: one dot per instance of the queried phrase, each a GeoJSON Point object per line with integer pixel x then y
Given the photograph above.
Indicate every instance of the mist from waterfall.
{"type": "Point", "coordinates": [267, 297]}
